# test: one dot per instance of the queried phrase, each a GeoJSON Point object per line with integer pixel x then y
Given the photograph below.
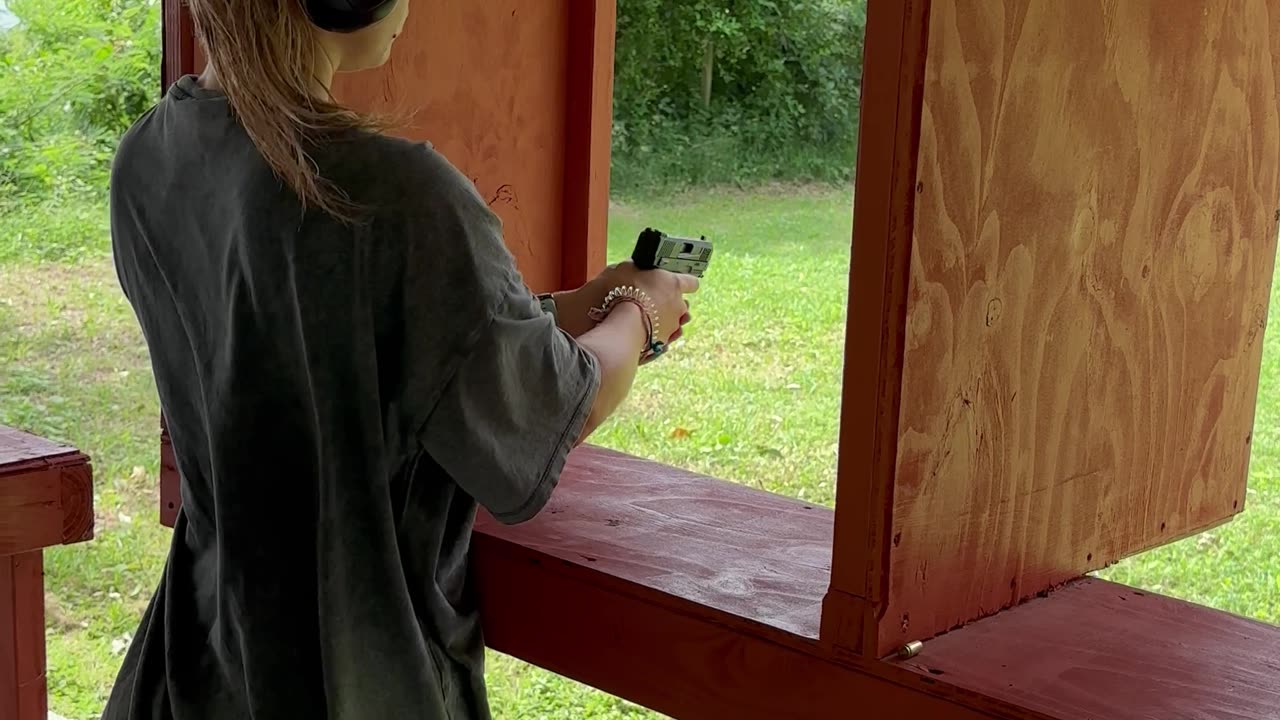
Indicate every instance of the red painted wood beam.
{"type": "Point", "coordinates": [1095, 649]}
{"type": "Point", "coordinates": [685, 660]}
{"type": "Point", "coordinates": [46, 494]}
{"type": "Point", "coordinates": [170, 480]}
{"type": "Point", "coordinates": [696, 597]}
{"type": "Point", "coordinates": [589, 132]}
{"type": "Point", "coordinates": [46, 499]}
{"type": "Point", "coordinates": [23, 692]}
{"type": "Point", "coordinates": [700, 599]}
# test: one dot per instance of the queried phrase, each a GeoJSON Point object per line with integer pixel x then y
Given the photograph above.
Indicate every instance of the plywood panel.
{"type": "Point", "coordinates": [486, 83]}
{"type": "Point", "coordinates": [1094, 240]}
{"type": "Point", "coordinates": [516, 94]}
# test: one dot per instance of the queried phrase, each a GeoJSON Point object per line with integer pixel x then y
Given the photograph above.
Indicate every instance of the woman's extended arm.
{"type": "Point", "coordinates": [616, 344]}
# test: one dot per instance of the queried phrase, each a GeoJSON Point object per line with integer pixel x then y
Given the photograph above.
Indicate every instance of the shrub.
{"type": "Point", "coordinates": [784, 92]}
{"type": "Point", "coordinates": [73, 77]}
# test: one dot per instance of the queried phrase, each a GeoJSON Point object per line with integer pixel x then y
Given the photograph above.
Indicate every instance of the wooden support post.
{"type": "Point", "coordinates": [588, 132]}
{"type": "Point", "coordinates": [22, 658]}
{"type": "Point", "coordinates": [179, 45]}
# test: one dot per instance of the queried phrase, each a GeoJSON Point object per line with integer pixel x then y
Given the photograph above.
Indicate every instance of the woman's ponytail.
{"type": "Point", "coordinates": [264, 54]}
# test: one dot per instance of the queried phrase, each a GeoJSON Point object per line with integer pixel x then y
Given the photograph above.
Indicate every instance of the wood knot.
{"type": "Point", "coordinates": [995, 308]}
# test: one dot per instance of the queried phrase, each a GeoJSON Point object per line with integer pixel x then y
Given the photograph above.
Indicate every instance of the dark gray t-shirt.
{"type": "Point", "coordinates": [339, 397]}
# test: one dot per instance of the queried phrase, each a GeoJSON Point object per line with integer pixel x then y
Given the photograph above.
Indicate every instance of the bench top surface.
{"type": "Point", "coordinates": [21, 451]}
{"type": "Point", "coordinates": [1092, 649]}
{"type": "Point", "coordinates": [46, 493]}
{"type": "Point", "coordinates": [736, 549]}
{"type": "Point", "coordinates": [1095, 649]}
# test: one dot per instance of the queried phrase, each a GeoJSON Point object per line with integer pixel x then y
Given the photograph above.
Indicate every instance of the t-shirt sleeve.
{"type": "Point", "coordinates": [503, 394]}
{"type": "Point", "coordinates": [511, 413]}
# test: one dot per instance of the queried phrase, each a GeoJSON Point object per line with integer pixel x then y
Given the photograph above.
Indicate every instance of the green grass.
{"type": "Point", "coordinates": [751, 396]}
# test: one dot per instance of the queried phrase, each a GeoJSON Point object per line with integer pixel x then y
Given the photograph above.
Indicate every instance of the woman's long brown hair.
{"type": "Point", "coordinates": [264, 53]}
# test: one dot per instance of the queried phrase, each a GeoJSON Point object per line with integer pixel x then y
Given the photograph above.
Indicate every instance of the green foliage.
{"type": "Point", "coordinates": [783, 106]}
{"type": "Point", "coordinates": [786, 80]}
{"type": "Point", "coordinates": [73, 76]}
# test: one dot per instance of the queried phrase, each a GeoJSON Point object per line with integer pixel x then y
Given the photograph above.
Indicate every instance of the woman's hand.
{"type": "Point", "coordinates": [666, 289]}
{"type": "Point", "coordinates": [618, 341]}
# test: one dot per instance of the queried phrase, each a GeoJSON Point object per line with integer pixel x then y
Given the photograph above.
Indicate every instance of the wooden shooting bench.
{"type": "Point", "coordinates": [1061, 263]}
{"type": "Point", "coordinates": [46, 499]}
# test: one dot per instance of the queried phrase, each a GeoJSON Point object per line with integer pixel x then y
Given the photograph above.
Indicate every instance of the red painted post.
{"type": "Point", "coordinates": [23, 693]}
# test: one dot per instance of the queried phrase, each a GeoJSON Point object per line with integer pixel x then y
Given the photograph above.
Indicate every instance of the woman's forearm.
{"type": "Point", "coordinates": [572, 307]}
{"type": "Point", "coordinates": [616, 344]}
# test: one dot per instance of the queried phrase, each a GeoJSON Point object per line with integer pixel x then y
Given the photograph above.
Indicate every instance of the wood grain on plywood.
{"type": "Point", "coordinates": [1099, 650]}
{"type": "Point", "coordinates": [486, 84]}
{"type": "Point", "coordinates": [528, 127]}
{"type": "Point", "coordinates": [1094, 241]}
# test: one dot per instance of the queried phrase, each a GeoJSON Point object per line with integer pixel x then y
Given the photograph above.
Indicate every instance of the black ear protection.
{"type": "Point", "coordinates": [347, 15]}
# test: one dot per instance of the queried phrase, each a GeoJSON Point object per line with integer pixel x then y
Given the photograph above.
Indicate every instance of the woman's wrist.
{"type": "Point", "coordinates": [572, 308]}
{"type": "Point", "coordinates": [632, 295]}
{"type": "Point", "coordinates": [632, 315]}
{"type": "Point", "coordinates": [579, 311]}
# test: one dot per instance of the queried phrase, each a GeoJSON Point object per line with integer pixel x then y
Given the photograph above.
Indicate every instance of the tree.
{"type": "Point", "coordinates": [779, 89]}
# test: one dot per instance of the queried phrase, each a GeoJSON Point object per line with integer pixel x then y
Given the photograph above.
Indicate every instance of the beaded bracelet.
{"type": "Point", "coordinates": [641, 299]}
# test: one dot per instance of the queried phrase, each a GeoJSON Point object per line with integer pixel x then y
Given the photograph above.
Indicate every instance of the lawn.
{"type": "Point", "coordinates": [752, 396]}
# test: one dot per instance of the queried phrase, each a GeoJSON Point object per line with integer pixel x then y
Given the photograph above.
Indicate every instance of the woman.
{"type": "Point", "coordinates": [349, 362]}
